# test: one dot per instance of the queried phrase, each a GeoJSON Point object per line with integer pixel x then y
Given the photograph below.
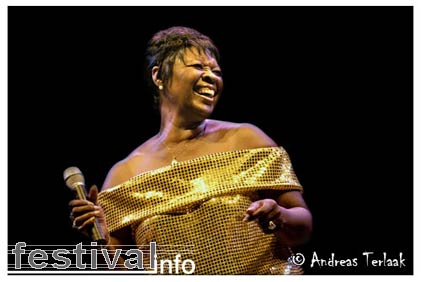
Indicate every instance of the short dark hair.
{"type": "Point", "coordinates": [167, 45]}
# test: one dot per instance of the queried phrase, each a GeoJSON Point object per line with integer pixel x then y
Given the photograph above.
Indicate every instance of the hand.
{"type": "Point", "coordinates": [268, 213]}
{"type": "Point", "coordinates": [84, 213]}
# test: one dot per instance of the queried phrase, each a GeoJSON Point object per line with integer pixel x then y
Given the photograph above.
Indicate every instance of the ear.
{"type": "Point", "coordinates": [155, 79]}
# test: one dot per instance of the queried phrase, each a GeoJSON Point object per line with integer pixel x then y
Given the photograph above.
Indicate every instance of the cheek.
{"type": "Point", "coordinates": [187, 78]}
{"type": "Point", "coordinates": [220, 85]}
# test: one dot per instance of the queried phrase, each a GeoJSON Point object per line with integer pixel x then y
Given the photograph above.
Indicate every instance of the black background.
{"type": "Point", "coordinates": [332, 85]}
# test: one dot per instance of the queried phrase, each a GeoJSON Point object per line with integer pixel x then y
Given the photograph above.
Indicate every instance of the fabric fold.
{"type": "Point", "coordinates": [196, 208]}
{"type": "Point", "coordinates": [177, 188]}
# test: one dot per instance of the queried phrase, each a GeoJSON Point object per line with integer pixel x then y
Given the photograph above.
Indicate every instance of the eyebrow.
{"type": "Point", "coordinates": [213, 63]}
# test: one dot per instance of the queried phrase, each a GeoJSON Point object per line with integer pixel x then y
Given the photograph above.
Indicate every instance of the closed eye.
{"type": "Point", "coordinates": [197, 66]}
{"type": "Point", "coordinates": [217, 72]}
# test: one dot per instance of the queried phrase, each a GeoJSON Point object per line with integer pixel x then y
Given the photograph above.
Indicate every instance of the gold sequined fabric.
{"type": "Point", "coordinates": [201, 203]}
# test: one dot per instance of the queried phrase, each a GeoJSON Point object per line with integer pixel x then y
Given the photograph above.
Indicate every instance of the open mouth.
{"type": "Point", "coordinates": [206, 92]}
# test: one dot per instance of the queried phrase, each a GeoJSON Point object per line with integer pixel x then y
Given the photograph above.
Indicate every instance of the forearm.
{"type": "Point", "coordinates": [294, 226]}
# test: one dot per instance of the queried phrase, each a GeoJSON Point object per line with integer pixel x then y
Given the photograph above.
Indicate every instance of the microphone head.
{"type": "Point", "coordinates": [73, 176]}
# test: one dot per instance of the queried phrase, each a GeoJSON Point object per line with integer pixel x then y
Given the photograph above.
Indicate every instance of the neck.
{"type": "Point", "coordinates": [172, 132]}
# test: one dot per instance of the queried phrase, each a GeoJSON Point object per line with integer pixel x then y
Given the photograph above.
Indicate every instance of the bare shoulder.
{"type": "Point", "coordinates": [244, 135]}
{"type": "Point", "coordinates": [124, 169]}
{"type": "Point", "coordinates": [117, 174]}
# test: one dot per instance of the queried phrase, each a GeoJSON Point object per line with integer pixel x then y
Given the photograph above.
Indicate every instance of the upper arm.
{"type": "Point", "coordinates": [250, 136]}
{"type": "Point", "coordinates": [118, 174]}
{"type": "Point", "coordinates": [291, 199]}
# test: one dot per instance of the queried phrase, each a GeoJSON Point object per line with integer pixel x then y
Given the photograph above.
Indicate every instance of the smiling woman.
{"type": "Point", "coordinates": [195, 85]}
{"type": "Point", "coordinates": [226, 189]}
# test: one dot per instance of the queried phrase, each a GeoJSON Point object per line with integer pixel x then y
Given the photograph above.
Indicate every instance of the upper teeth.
{"type": "Point", "coordinates": [206, 91]}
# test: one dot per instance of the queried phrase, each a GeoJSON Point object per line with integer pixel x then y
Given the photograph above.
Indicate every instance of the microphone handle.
{"type": "Point", "coordinates": [97, 233]}
{"type": "Point", "coordinates": [80, 192]}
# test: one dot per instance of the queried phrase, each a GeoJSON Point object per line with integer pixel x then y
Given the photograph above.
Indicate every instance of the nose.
{"type": "Point", "coordinates": [209, 76]}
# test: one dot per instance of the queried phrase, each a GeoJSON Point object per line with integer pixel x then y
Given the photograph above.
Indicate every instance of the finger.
{"type": "Point", "coordinates": [87, 223]}
{"type": "Point", "coordinates": [274, 214]}
{"type": "Point", "coordinates": [79, 202]}
{"type": "Point", "coordinates": [83, 231]}
{"type": "Point", "coordinates": [250, 210]}
{"type": "Point", "coordinates": [264, 208]}
{"type": "Point", "coordinates": [253, 207]}
{"type": "Point", "coordinates": [76, 211]}
{"type": "Point", "coordinates": [93, 193]}
{"type": "Point", "coordinates": [80, 220]}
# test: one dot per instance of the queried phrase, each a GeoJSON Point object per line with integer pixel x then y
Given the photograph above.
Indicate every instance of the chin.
{"type": "Point", "coordinates": [204, 111]}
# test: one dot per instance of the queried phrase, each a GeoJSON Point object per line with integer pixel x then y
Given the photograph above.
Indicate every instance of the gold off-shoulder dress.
{"type": "Point", "coordinates": [195, 208]}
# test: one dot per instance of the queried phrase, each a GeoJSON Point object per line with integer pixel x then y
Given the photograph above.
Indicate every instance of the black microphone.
{"type": "Point", "coordinates": [74, 179]}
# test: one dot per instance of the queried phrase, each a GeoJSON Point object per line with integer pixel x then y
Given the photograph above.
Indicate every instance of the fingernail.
{"type": "Point", "coordinates": [246, 218]}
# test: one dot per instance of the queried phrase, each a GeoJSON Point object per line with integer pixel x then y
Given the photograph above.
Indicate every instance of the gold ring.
{"type": "Point", "coordinates": [271, 225]}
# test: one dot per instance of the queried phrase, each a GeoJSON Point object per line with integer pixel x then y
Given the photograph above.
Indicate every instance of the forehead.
{"type": "Point", "coordinates": [193, 54]}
